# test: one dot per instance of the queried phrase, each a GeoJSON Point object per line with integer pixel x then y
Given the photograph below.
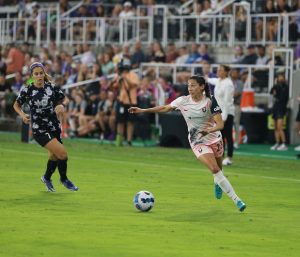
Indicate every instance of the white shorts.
{"type": "Point", "coordinates": [216, 148]}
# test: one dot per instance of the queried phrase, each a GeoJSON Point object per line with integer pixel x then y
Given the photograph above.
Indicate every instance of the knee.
{"type": "Point", "coordinates": [214, 169]}
{"type": "Point", "coordinates": [52, 157]}
{"type": "Point", "coordinates": [62, 155]}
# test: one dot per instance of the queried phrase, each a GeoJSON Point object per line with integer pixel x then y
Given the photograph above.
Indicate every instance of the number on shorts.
{"type": "Point", "coordinates": [48, 135]}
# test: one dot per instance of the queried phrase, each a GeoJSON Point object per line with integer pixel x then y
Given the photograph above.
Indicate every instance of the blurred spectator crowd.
{"type": "Point", "coordinates": [93, 106]}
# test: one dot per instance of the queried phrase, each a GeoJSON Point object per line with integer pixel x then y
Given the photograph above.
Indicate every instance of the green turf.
{"type": "Point", "coordinates": [187, 221]}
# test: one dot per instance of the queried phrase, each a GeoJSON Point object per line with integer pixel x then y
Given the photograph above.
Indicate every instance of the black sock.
{"type": "Point", "coordinates": [62, 168]}
{"type": "Point", "coordinates": [51, 166]}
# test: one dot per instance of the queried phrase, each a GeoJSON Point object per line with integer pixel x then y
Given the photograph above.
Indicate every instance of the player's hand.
{"type": "Point", "coordinates": [26, 118]}
{"type": "Point", "coordinates": [135, 110]}
{"type": "Point", "coordinates": [59, 109]}
{"type": "Point", "coordinates": [205, 132]}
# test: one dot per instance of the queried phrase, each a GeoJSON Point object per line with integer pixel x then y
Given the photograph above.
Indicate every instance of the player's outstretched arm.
{"type": "Point", "coordinates": [162, 108]}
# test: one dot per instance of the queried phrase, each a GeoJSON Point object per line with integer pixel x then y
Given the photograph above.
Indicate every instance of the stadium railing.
{"type": "Point", "coordinates": [172, 69]}
{"type": "Point", "coordinates": [49, 25]}
{"type": "Point", "coordinates": [125, 30]}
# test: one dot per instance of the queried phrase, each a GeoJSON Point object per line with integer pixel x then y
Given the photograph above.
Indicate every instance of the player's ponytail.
{"type": "Point", "coordinates": [201, 81]}
{"type": "Point", "coordinates": [206, 90]}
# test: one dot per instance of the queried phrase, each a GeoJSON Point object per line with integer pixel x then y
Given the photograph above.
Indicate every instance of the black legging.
{"type": "Point", "coordinates": [227, 134]}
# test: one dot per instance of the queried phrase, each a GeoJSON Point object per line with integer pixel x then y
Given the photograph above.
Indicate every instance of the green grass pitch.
{"type": "Point", "coordinates": [187, 221]}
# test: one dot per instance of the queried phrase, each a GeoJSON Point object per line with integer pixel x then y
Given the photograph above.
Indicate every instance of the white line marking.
{"type": "Point", "coordinates": [151, 165]}
{"type": "Point", "coordinates": [273, 156]}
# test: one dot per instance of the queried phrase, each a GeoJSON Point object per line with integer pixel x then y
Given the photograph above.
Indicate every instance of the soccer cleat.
{"type": "Point", "coordinates": [297, 148]}
{"type": "Point", "coordinates": [227, 162]}
{"type": "Point", "coordinates": [48, 184]}
{"type": "Point", "coordinates": [282, 147]}
{"type": "Point", "coordinates": [241, 205]}
{"type": "Point", "coordinates": [68, 184]}
{"type": "Point", "coordinates": [218, 191]}
{"type": "Point", "coordinates": [274, 147]}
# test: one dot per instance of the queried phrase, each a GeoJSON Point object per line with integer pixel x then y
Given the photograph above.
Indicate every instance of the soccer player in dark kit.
{"type": "Point", "coordinates": [47, 104]}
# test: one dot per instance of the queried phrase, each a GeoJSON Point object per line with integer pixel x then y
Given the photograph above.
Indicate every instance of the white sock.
{"type": "Point", "coordinates": [223, 182]}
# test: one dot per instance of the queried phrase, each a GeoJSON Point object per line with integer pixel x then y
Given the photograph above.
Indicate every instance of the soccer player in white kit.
{"type": "Point", "coordinates": [203, 117]}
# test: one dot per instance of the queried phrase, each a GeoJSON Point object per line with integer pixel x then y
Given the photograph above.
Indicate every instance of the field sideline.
{"type": "Point", "coordinates": [187, 221]}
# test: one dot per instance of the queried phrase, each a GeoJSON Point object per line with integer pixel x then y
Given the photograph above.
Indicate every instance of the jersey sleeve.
{"type": "Point", "coordinates": [23, 96]}
{"type": "Point", "coordinates": [215, 108]}
{"type": "Point", "coordinates": [58, 94]}
{"type": "Point", "coordinates": [177, 102]}
{"type": "Point", "coordinates": [212, 81]}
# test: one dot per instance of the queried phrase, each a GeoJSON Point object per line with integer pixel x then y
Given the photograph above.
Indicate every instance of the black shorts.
{"type": "Point", "coordinates": [44, 139]}
{"type": "Point", "coordinates": [122, 113]}
{"type": "Point", "coordinates": [278, 113]}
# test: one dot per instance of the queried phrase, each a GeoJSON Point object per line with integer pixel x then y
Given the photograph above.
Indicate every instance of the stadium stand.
{"type": "Point", "coordinates": [81, 42]}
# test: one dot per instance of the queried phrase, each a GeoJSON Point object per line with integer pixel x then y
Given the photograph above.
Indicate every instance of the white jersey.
{"type": "Point", "coordinates": [224, 93]}
{"type": "Point", "coordinates": [199, 117]}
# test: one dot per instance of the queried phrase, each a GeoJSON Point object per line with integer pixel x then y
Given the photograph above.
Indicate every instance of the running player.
{"type": "Point", "coordinates": [203, 117]}
{"type": "Point", "coordinates": [47, 104]}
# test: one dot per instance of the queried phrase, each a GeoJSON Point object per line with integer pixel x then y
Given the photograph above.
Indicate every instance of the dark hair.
{"type": "Point", "coordinates": [201, 81]}
{"type": "Point", "coordinates": [226, 68]}
{"type": "Point", "coordinates": [123, 65]}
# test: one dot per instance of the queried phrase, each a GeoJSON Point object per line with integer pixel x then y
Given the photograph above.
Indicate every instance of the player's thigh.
{"type": "Point", "coordinates": [206, 155]}
{"type": "Point", "coordinates": [280, 123]}
{"type": "Point", "coordinates": [217, 148]}
{"type": "Point", "coordinates": [220, 162]}
{"type": "Point", "coordinates": [58, 149]}
{"type": "Point", "coordinates": [52, 156]}
{"type": "Point", "coordinates": [210, 161]}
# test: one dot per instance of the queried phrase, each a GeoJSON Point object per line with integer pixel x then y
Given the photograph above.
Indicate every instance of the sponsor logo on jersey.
{"type": "Point", "coordinates": [217, 108]}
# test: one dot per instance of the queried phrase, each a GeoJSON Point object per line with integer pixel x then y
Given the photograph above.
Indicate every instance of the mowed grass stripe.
{"type": "Point", "coordinates": [137, 163]}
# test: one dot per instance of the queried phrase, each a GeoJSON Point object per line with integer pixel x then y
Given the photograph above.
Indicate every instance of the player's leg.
{"type": "Point", "coordinates": [227, 132]}
{"type": "Point", "coordinates": [60, 152]}
{"type": "Point", "coordinates": [276, 135]}
{"type": "Point", "coordinates": [51, 166]}
{"type": "Point", "coordinates": [120, 119]}
{"type": "Point", "coordinates": [207, 155]}
{"type": "Point", "coordinates": [281, 135]}
{"type": "Point", "coordinates": [130, 127]}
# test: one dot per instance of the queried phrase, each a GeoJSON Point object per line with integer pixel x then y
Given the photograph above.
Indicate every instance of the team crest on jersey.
{"type": "Point", "coordinates": [217, 108]}
{"type": "Point", "coordinates": [204, 109]}
{"type": "Point", "coordinates": [48, 91]}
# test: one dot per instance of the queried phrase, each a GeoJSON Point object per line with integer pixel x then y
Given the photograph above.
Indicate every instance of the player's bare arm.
{"type": "Point", "coordinates": [25, 117]}
{"type": "Point", "coordinates": [156, 109]}
{"type": "Point", "coordinates": [60, 108]}
{"type": "Point", "coordinates": [219, 125]}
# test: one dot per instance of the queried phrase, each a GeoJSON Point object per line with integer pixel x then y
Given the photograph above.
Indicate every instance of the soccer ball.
{"type": "Point", "coordinates": [143, 201]}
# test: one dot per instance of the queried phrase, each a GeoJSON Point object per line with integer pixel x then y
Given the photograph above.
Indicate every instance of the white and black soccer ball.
{"type": "Point", "coordinates": [144, 201]}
